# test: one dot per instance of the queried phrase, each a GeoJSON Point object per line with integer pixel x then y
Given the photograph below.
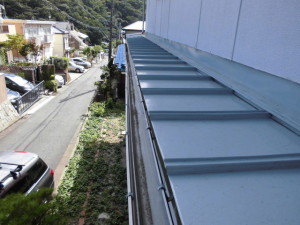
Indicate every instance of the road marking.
{"type": "Point", "coordinates": [40, 105]}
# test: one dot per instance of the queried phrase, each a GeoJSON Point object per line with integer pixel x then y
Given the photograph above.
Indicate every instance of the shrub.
{"type": "Point", "coordinates": [47, 71]}
{"type": "Point", "coordinates": [23, 64]}
{"type": "Point", "coordinates": [51, 85]}
{"type": "Point", "coordinates": [97, 109]}
{"type": "Point", "coordinates": [35, 208]}
{"type": "Point", "coordinates": [60, 63]}
{"type": "Point", "coordinates": [52, 77]}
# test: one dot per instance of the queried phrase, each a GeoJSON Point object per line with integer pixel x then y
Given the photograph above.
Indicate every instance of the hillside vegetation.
{"type": "Point", "coordinates": [89, 16]}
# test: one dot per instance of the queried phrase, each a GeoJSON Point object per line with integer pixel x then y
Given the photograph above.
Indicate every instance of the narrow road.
{"type": "Point", "coordinates": [50, 130]}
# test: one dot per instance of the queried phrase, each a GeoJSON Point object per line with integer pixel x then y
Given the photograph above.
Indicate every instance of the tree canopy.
{"type": "Point", "coordinates": [89, 16]}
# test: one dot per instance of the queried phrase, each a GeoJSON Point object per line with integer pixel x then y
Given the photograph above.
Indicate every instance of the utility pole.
{"type": "Point", "coordinates": [144, 17]}
{"type": "Point", "coordinates": [110, 28]}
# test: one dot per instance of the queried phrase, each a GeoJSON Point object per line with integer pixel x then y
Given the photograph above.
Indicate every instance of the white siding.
{"type": "Point", "coordinates": [184, 21]}
{"type": "Point", "coordinates": [218, 26]}
{"type": "Point", "coordinates": [269, 37]}
{"type": "Point", "coordinates": [165, 18]}
{"type": "Point", "coordinates": [263, 34]}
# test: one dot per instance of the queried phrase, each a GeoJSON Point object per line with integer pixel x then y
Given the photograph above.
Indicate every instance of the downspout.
{"type": "Point", "coordinates": [144, 12]}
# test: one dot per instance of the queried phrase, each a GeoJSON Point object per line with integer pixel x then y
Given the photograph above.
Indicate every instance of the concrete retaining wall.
{"type": "Point", "coordinates": [8, 114]}
{"type": "Point", "coordinates": [3, 95]}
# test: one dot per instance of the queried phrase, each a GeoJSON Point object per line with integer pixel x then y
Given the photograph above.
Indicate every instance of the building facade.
{"type": "Point", "coordinates": [259, 34]}
{"type": "Point", "coordinates": [61, 43]}
{"type": "Point", "coordinates": [42, 33]}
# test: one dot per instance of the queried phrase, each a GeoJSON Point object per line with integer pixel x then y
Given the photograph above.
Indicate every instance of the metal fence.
{"type": "Point", "coordinates": [29, 98]}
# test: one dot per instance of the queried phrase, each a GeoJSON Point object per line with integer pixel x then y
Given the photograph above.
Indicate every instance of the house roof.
{"type": "Point", "coordinates": [138, 25]}
{"type": "Point", "coordinates": [228, 160]}
{"type": "Point", "coordinates": [64, 26]}
{"type": "Point", "coordinates": [40, 22]}
{"type": "Point", "coordinates": [78, 37]}
{"type": "Point", "coordinates": [56, 30]}
{"type": "Point", "coordinates": [120, 59]}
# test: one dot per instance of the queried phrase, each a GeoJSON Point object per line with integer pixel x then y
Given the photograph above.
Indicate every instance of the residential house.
{"type": "Point", "coordinates": [42, 33]}
{"type": "Point", "coordinates": [61, 42]}
{"type": "Point", "coordinates": [19, 24]}
{"type": "Point", "coordinates": [134, 28]}
{"type": "Point", "coordinates": [76, 38]}
{"type": "Point", "coordinates": [6, 29]}
{"type": "Point", "coordinates": [19, 29]}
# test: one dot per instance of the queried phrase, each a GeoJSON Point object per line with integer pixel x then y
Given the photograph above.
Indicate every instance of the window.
{"type": "Point", "coordinates": [37, 170]}
{"type": "Point", "coordinates": [4, 29]}
{"type": "Point", "coordinates": [21, 186]}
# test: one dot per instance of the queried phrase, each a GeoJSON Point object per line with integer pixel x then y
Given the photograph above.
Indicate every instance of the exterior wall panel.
{"type": "Point", "coordinates": [151, 16]}
{"type": "Point", "coordinates": [268, 37]}
{"type": "Point", "coordinates": [158, 20]}
{"type": "Point", "coordinates": [218, 26]}
{"type": "Point", "coordinates": [165, 18]}
{"type": "Point", "coordinates": [260, 34]}
{"type": "Point", "coordinates": [184, 19]}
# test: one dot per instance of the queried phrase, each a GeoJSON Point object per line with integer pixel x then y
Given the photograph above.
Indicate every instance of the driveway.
{"type": "Point", "coordinates": [51, 127]}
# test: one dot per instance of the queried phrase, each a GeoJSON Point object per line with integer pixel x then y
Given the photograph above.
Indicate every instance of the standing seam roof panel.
{"type": "Point", "coordinates": [228, 161]}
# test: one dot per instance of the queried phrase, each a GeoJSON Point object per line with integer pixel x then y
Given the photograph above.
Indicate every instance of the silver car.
{"type": "Point", "coordinates": [73, 67]}
{"type": "Point", "coordinates": [23, 172]}
{"type": "Point", "coordinates": [81, 62]}
{"type": "Point", "coordinates": [60, 80]}
{"type": "Point", "coordinates": [14, 97]}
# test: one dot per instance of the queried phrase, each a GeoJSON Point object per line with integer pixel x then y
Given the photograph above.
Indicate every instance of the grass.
{"type": "Point", "coordinates": [94, 183]}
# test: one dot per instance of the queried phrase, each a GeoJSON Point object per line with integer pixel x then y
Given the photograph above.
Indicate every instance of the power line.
{"type": "Point", "coordinates": [78, 21]}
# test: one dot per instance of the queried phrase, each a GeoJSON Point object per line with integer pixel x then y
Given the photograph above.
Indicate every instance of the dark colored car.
{"type": "Point", "coordinates": [17, 83]}
{"type": "Point", "coordinates": [23, 172]}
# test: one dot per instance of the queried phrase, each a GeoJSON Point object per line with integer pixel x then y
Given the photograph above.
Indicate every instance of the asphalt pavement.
{"type": "Point", "coordinates": [51, 127]}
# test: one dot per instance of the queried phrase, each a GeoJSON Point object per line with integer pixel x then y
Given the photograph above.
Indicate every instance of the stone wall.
{"type": "Point", "coordinates": [8, 114]}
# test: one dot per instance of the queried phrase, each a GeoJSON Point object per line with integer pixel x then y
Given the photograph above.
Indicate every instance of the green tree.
{"type": "Point", "coordinates": [35, 209]}
{"type": "Point", "coordinates": [14, 42]}
{"type": "Point", "coordinates": [93, 13]}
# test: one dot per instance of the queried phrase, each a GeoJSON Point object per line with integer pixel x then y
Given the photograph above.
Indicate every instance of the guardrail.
{"type": "Point", "coordinates": [29, 98]}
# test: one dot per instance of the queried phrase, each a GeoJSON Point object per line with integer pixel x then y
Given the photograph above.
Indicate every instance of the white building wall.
{"type": "Point", "coordinates": [263, 34]}
{"type": "Point", "coordinates": [217, 26]}
{"type": "Point", "coordinates": [183, 21]}
{"type": "Point", "coordinates": [151, 16]}
{"type": "Point", "coordinates": [268, 37]}
{"type": "Point", "coordinates": [159, 18]}
{"type": "Point", "coordinates": [165, 15]}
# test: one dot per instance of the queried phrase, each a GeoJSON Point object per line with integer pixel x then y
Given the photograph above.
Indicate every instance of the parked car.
{"type": "Point", "coordinates": [13, 97]}
{"type": "Point", "coordinates": [17, 83]}
{"type": "Point", "coordinates": [81, 62]}
{"type": "Point", "coordinates": [73, 67]}
{"type": "Point", "coordinates": [23, 172]}
{"type": "Point", "coordinates": [60, 80]}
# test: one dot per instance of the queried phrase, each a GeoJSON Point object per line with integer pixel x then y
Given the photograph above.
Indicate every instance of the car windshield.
{"type": "Point", "coordinates": [19, 80]}
{"type": "Point", "coordinates": [79, 60]}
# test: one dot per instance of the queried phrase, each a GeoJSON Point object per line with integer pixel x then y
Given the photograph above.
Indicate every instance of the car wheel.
{"type": "Point", "coordinates": [77, 70]}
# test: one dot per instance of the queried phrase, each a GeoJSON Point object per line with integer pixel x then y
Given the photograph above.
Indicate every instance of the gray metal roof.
{"type": "Point", "coordinates": [228, 160]}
